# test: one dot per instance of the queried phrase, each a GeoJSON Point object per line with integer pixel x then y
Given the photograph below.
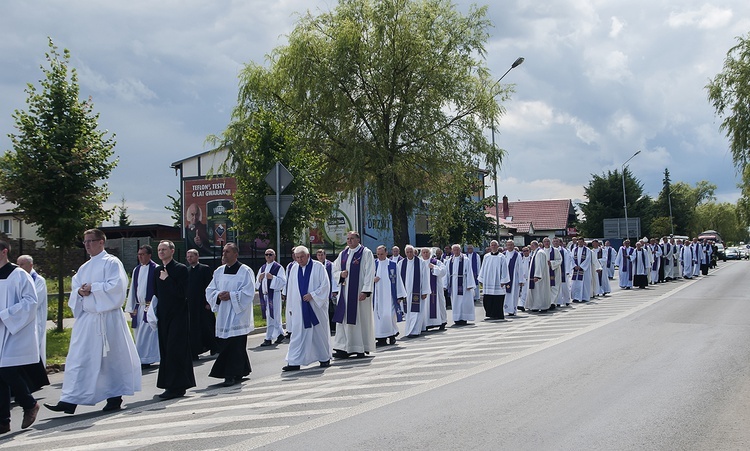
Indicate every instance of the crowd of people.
{"type": "Point", "coordinates": [180, 312]}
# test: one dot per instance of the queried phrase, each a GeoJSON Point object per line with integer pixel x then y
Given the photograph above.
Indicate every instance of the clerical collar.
{"type": "Point", "coordinates": [494, 253]}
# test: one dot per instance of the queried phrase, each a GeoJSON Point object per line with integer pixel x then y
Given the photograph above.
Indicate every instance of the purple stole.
{"type": "Point", "coordinates": [598, 256]}
{"type": "Point", "coordinates": [267, 298]}
{"type": "Point", "coordinates": [416, 282]}
{"type": "Point", "coordinates": [643, 261]}
{"type": "Point", "coordinates": [392, 280]}
{"type": "Point", "coordinates": [609, 257]}
{"type": "Point", "coordinates": [562, 266]}
{"type": "Point", "coordinates": [531, 271]}
{"type": "Point", "coordinates": [348, 299]}
{"type": "Point", "coordinates": [460, 276]}
{"type": "Point", "coordinates": [511, 270]}
{"type": "Point", "coordinates": [475, 267]}
{"type": "Point", "coordinates": [309, 319]}
{"type": "Point", "coordinates": [329, 267]}
{"type": "Point", "coordinates": [149, 290]}
{"type": "Point", "coordinates": [626, 263]}
{"type": "Point", "coordinates": [433, 288]}
{"type": "Point", "coordinates": [578, 273]}
{"type": "Point", "coordinates": [551, 271]}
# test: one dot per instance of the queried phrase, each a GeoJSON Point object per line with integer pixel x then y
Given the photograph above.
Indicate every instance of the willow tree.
{"type": "Point", "coordinates": [394, 94]}
{"type": "Point", "coordinates": [54, 173]}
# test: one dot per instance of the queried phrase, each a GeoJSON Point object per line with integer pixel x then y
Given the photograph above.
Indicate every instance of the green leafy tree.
{"type": "Point", "coordinates": [58, 145]}
{"type": "Point", "coordinates": [605, 201]}
{"type": "Point", "coordinates": [388, 92]}
{"type": "Point", "coordinates": [255, 142]}
{"type": "Point", "coordinates": [175, 207]}
{"type": "Point", "coordinates": [723, 218]}
{"type": "Point", "coordinates": [456, 215]}
{"type": "Point", "coordinates": [686, 199]}
{"type": "Point", "coordinates": [729, 94]}
{"type": "Point", "coordinates": [661, 226]}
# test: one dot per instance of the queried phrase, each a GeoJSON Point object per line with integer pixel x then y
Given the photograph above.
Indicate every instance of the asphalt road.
{"type": "Point", "coordinates": [662, 368]}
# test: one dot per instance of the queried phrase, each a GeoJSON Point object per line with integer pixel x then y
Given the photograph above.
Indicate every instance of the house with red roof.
{"type": "Point", "coordinates": [536, 219]}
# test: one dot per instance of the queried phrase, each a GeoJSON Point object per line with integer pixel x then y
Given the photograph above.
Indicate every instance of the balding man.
{"type": "Point", "coordinates": [26, 262]}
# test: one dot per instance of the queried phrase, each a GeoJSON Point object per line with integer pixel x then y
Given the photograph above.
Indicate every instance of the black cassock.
{"type": "Point", "coordinates": [172, 313]}
{"type": "Point", "coordinates": [202, 319]}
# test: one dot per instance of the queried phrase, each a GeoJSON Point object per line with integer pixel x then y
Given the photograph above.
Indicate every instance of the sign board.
{"type": "Point", "coordinates": [285, 178]}
{"type": "Point", "coordinates": [284, 202]}
{"type": "Point", "coordinates": [616, 228]}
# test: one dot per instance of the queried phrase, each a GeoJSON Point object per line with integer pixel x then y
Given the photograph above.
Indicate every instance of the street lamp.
{"type": "Point", "coordinates": [515, 64]}
{"type": "Point", "coordinates": [624, 198]}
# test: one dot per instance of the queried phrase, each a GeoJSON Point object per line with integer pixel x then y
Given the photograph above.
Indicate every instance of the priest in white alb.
{"type": "Point", "coordinates": [539, 295]}
{"type": "Point", "coordinates": [580, 287]}
{"type": "Point", "coordinates": [102, 362]}
{"type": "Point", "coordinates": [415, 274]}
{"type": "Point", "coordinates": [516, 281]}
{"type": "Point", "coordinates": [271, 279]}
{"type": "Point", "coordinates": [554, 263]}
{"type": "Point", "coordinates": [436, 315]}
{"type": "Point", "coordinates": [624, 263]}
{"type": "Point", "coordinates": [139, 301]}
{"type": "Point", "coordinates": [354, 271]}
{"type": "Point", "coordinates": [307, 296]}
{"type": "Point", "coordinates": [460, 283]}
{"type": "Point", "coordinates": [388, 292]}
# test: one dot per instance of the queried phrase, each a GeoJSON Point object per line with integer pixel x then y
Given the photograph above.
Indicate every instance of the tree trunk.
{"type": "Point", "coordinates": [400, 223]}
{"type": "Point", "coordinates": [60, 287]}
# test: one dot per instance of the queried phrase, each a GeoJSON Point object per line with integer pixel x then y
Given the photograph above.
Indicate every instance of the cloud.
{"type": "Point", "coordinates": [707, 17]}
{"type": "Point", "coordinates": [616, 28]}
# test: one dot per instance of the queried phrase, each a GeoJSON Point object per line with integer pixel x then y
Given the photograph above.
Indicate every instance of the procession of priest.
{"type": "Point", "coordinates": [179, 312]}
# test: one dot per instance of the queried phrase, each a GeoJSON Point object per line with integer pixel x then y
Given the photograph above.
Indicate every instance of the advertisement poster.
{"type": "Point", "coordinates": [332, 233]}
{"type": "Point", "coordinates": [207, 203]}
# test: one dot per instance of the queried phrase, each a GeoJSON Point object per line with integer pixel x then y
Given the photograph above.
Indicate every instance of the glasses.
{"type": "Point", "coordinates": [85, 242]}
{"type": "Point", "coordinates": [269, 255]}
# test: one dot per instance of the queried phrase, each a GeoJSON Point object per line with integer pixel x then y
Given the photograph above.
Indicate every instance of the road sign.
{"type": "Point", "coordinates": [284, 202]}
{"type": "Point", "coordinates": [284, 178]}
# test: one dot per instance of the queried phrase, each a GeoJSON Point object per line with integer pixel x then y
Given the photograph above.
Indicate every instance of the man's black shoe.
{"type": "Point", "coordinates": [325, 364]}
{"type": "Point", "coordinates": [280, 339]}
{"type": "Point", "coordinates": [113, 404]}
{"type": "Point", "coordinates": [62, 406]}
{"type": "Point", "coordinates": [266, 343]}
{"type": "Point", "coordinates": [291, 368]}
{"type": "Point", "coordinates": [172, 394]}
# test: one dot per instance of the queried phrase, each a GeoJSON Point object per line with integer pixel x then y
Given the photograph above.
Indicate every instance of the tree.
{"type": "Point", "coordinates": [175, 206]}
{"type": "Point", "coordinates": [58, 145]}
{"type": "Point", "coordinates": [605, 201]}
{"type": "Point", "coordinates": [685, 200]}
{"type": "Point", "coordinates": [728, 93]}
{"type": "Point", "coordinates": [723, 218]}
{"type": "Point", "coordinates": [389, 93]}
{"type": "Point", "coordinates": [123, 220]}
{"type": "Point", "coordinates": [469, 222]}
{"type": "Point", "coordinates": [255, 142]}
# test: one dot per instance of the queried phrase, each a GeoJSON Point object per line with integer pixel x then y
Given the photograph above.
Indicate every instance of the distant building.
{"type": "Point", "coordinates": [535, 219]}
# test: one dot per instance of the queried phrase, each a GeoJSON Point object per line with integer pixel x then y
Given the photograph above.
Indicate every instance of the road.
{"type": "Point", "coordinates": [662, 368]}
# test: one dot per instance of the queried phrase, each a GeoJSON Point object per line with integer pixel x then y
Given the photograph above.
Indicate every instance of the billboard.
{"type": "Point", "coordinates": [206, 204]}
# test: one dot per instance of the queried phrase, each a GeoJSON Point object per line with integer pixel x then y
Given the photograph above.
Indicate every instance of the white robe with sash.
{"type": "Point", "coordinates": [146, 337]}
{"type": "Point", "coordinates": [383, 301]}
{"type": "Point", "coordinates": [312, 344]}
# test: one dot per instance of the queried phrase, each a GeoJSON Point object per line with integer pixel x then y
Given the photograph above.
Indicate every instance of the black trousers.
{"type": "Point", "coordinates": [493, 305]}
{"type": "Point", "coordinates": [11, 379]}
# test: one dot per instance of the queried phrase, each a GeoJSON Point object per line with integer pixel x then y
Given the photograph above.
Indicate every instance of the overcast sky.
{"type": "Point", "coordinates": [601, 80]}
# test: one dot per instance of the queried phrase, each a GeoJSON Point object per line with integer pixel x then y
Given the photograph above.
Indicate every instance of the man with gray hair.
{"type": "Point", "coordinates": [26, 262]}
{"type": "Point", "coordinates": [307, 297]}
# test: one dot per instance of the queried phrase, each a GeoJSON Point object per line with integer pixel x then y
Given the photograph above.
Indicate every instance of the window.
{"type": "Point", "coordinates": [6, 226]}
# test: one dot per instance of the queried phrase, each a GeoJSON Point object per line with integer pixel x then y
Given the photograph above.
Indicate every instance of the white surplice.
{"type": "Point", "coordinates": [235, 316]}
{"type": "Point", "coordinates": [441, 314]}
{"type": "Point", "coordinates": [580, 285]}
{"type": "Point", "coordinates": [462, 305]}
{"type": "Point", "coordinates": [41, 313]}
{"type": "Point", "coordinates": [514, 263]}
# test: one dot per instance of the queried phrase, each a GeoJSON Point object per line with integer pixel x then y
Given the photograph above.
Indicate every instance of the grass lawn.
{"type": "Point", "coordinates": [58, 342]}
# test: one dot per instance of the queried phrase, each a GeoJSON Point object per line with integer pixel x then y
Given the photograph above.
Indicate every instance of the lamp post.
{"type": "Point", "coordinates": [624, 197]}
{"type": "Point", "coordinates": [671, 223]}
{"type": "Point", "coordinates": [515, 64]}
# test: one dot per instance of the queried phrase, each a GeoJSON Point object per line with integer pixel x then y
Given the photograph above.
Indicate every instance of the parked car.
{"type": "Point", "coordinates": [744, 252]}
{"type": "Point", "coordinates": [720, 252]}
{"type": "Point", "coordinates": [732, 253]}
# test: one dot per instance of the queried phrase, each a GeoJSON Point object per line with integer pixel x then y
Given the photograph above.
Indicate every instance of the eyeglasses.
{"type": "Point", "coordinates": [85, 242]}
{"type": "Point", "coordinates": [269, 255]}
